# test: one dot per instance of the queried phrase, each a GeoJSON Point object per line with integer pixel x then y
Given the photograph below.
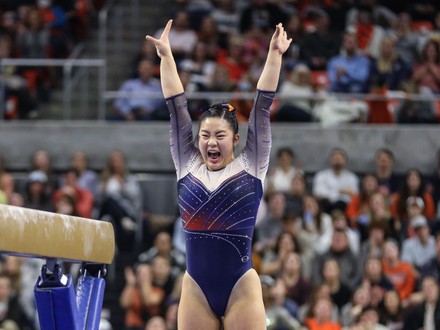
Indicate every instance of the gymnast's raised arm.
{"type": "Point", "coordinates": [169, 77]}
{"type": "Point", "coordinates": [279, 43]}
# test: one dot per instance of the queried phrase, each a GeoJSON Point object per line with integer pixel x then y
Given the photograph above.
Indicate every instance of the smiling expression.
{"type": "Point", "coordinates": [217, 142]}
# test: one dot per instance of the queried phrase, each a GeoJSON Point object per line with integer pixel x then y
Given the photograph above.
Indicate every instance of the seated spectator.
{"type": "Point", "coordinates": [340, 293]}
{"type": "Point", "coordinates": [322, 316]}
{"type": "Point", "coordinates": [298, 287]}
{"type": "Point", "coordinates": [351, 310]}
{"type": "Point", "coordinates": [320, 44]}
{"type": "Point", "coordinates": [41, 161]}
{"type": "Point", "coordinates": [295, 29]}
{"type": "Point", "coordinates": [295, 197]}
{"type": "Point", "coordinates": [20, 101]}
{"type": "Point", "coordinates": [82, 197]}
{"type": "Point", "coordinates": [358, 210]}
{"type": "Point", "coordinates": [339, 223]}
{"type": "Point", "coordinates": [163, 247]}
{"type": "Point", "coordinates": [320, 291]}
{"type": "Point", "coordinates": [380, 12]}
{"type": "Point", "coordinates": [400, 273]}
{"type": "Point", "coordinates": [182, 38]}
{"type": "Point", "coordinates": [372, 247]}
{"type": "Point", "coordinates": [296, 94]}
{"type": "Point", "coordinates": [335, 186]}
{"type": "Point", "coordinates": [261, 14]}
{"type": "Point", "coordinates": [369, 35]}
{"type": "Point", "coordinates": [280, 176]}
{"type": "Point", "coordinates": [426, 73]}
{"type": "Point", "coordinates": [277, 315]}
{"type": "Point", "coordinates": [341, 252]}
{"type": "Point", "coordinates": [434, 184]}
{"type": "Point", "coordinates": [426, 314]}
{"type": "Point", "coordinates": [140, 299]}
{"type": "Point", "coordinates": [11, 310]}
{"type": "Point", "coordinates": [119, 200]}
{"type": "Point", "coordinates": [208, 34]}
{"type": "Point", "coordinates": [138, 107]}
{"type": "Point", "coordinates": [407, 43]}
{"type": "Point", "coordinates": [273, 259]}
{"type": "Point", "coordinates": [147, 52]}
{"type": "Point", "coordinates": [36, 195]}
{"type": "Point", "coordinates": [389, 181]}
{"type": "Point", "coordinates": [375, 280]}
{"type": "Point", "coordinates": [369, 319]}
{"type": "Point", "coordinates": [413, 186]}
{"type": "Point", "coordinates": [7, 181]}
{"type": "Point", "coordinates": [391, 312]}
{"type": "Point", "coordinates": [233, 59]}
{"type": "Point", "coordinates": [421, 248]}
{"type": "Point", "coordinates": [227, 18]}
{"type": "Point", "coordinates": [156, 323]}
{"type": "Point", "coordinates": [88, 179]}
{"type": "Point", "coordinates": [432, 267]}
{"type": "Point", "coordinates": [349, 71]}
{"type": "Point", "coordinates": [388, 70]}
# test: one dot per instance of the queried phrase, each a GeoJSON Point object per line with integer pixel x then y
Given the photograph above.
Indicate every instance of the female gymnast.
{"type": "Point", "coordinates": [219, 195]}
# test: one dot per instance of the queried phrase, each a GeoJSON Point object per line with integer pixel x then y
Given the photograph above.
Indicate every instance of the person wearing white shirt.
{"type": "Point", "coordinates": [335, 186]}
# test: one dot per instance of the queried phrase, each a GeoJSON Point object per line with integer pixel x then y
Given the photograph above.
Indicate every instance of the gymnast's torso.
{"type": "Point", "coordinates": [218, 209]}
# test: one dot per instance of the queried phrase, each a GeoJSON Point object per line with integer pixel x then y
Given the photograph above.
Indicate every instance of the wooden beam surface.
{"type": "Point", "coordinates": [28, 232]}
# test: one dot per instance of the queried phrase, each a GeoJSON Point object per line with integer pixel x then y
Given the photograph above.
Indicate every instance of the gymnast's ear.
{"type": "Point", "coordinates": [236, 140]}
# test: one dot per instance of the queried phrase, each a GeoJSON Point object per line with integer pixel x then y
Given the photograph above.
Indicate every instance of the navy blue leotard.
{"type": "Point", "coordinates": [218, 209]}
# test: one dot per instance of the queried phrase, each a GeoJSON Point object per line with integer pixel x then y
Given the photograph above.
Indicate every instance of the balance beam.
{"type": "Point", "coordinates": [39, 234]}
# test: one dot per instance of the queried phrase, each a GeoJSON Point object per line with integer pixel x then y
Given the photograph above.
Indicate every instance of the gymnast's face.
{"type": "Point", "coordinates": [217, 142]}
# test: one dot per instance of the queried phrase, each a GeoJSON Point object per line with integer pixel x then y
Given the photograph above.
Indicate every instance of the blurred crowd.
{"type": "Point", "coordinates": [384, 50]}
{"type": "Point", "coordinates": [38, 29]}
{"type": "Point", "coordinates": [335, 249]}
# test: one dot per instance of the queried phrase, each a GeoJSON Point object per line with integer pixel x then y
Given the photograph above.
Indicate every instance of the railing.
{"type": "Point", "coordinates": [68, 81]}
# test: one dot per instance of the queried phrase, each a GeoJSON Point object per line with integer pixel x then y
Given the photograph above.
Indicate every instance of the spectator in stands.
{"type": "Point", "coordinates": [369, 319]}
{"type": "Point", "coordinates": [426, 314]}
{"type": "Point", "coordinates": [156, 323]}
{"type": "Point", "coordinates": [375, 280]}
{"type": "Point", "coordinates": [280, 176]}
{"type": "Point", "coordinates": [261, 14]}
{"type": "Point", "coordinates": [421, 248]}
{"type": "Point", "coordinates": [335, 186]}
{"type": "Point", "coordinates": [140, 298]}
{"type": "Point", "coordinates": [341, 252]}
{"type": "Point", "coordinates": [36, 194]}
{"type": "Point", "coordinates": [432, 267]}
{"type": "Point", "coordinates": [434, 184]}
{"type": "Point", "coordinates": [182, 38]}
{"type": "Point", "coordinates": [298, 287]}
{"type": "Point", "coordinates": [7, 181]}
{"type": "Point", "coordinates": [413, 186]}
{"type": "Point", "coordinates": [147, 52]}
{"type": "Point", "coordinates": [391, 312]}
{"type": "Point", "coordinates": [372, 247]}
{"type": "Point", "coordinates": [322, 316]}
{"type": "Point", "coordinates": [20, 104]}
{"type": "Point", "coordinates": [359, 300]}
{"type": "Point", "coordinates": [407, 39]}
{"type": "Point", "coordinates": [358, 210]}
{"type": "Point", "coordinates": [388, 70]}
{"type": "Point", "coordinates": [320, 44]}
{"type": "Point", "coordinates": [273, 259]}
{"type": "Point", "coordinates": [33, 40]}
{"type": "Point", "coordinates": [11, 311]}
{"type": "Point", "coordinates": [389, 182]}
{"type": "Point", "coordinates": [424, 10]}
{"type": "Point", "coordinates": [82, 197]}
{"type": "Point", "coordinates": [314, 225]}
{"type": "Point", "coordinates": [426, 74]}
{"type": "Point", "coordinates": [232, 59]}
{"type": "Point", "coordinates": [294, 28]}
{"type": "Point", "coordinates": [400, 273]}
{"type": "Point", "coordinates": [119, 200]}
{"type": "Point", "coordinates": [208, 35]}
{"type": "Point", "coordinates": [88, 179]}
{"type": "Point", "coordinates": [340, 293]}
{"type": "Point", "coordinates": [268, 229]}
{"type": "Point", "coordinates": [349, 71]}
{"type": "Point", "coordinates": [339, 223]}
{"type": "Point", "coordinates": [296, 95]}
{"type": "Point", "coordinates": [369, 35]}
{"type": "Point", "coordinates": [163, 247]}
{"type": "Point", "coordinates": [200, 66]}
{"type": "Point", "coordinates": [277, 316]}
{"type": "Point", "coordinates": [381, 14]}
{"type": "Point", "coordinates": [227, 18]}
{"type": "Point", "coordinates": [41, 161]}
{"type": "Point", "coordinates": [296, 194]}
{"type": "Point", "coordinates": [138, 107]}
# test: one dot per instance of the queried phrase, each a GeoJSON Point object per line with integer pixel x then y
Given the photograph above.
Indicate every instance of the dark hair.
{"type": "Point", "coordinates": [285, 150]}
{"type": "Point", "coordinates": [225, 111]}
{"type": "Point", "coordinates": [385, 151]}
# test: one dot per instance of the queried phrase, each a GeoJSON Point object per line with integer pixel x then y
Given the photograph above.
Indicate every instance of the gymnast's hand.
{"type": "Point", "coordinates": [163, 47]}
{"type": "Point", "coordinates": [279, 42]}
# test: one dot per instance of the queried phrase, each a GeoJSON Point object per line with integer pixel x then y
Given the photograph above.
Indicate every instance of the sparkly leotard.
{"type": "Point", "coordinates": [218, 209]}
